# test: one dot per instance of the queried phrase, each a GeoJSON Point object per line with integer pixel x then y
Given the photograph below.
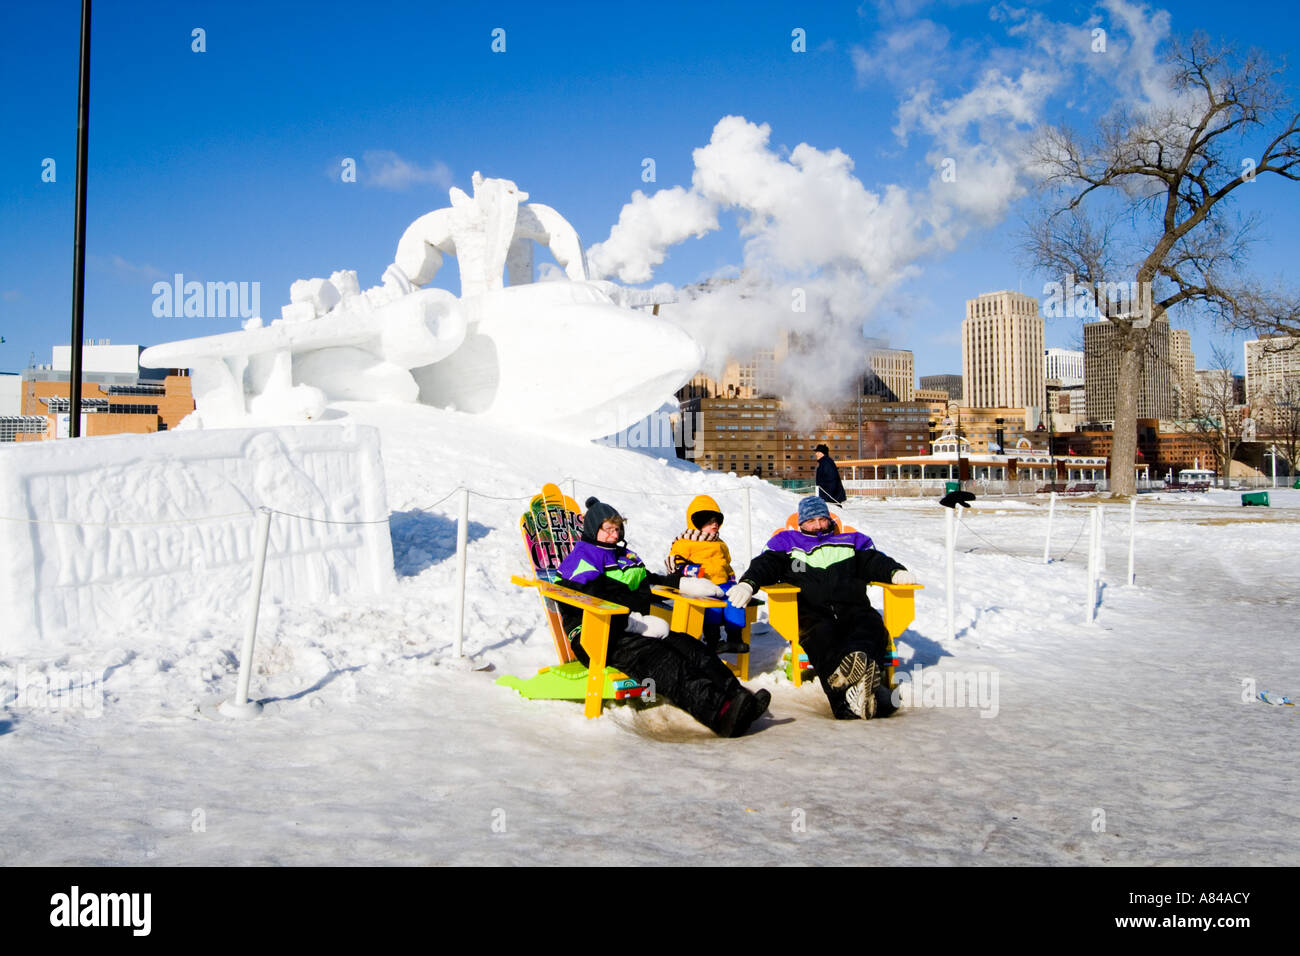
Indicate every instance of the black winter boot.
{"type": "Point", "coordinates": [739, 713]}
{"type": "Point", "coordinates": [735, 642]}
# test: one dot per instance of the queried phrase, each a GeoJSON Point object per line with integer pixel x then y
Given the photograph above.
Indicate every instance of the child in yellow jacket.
{"type": "Point", "coordinates": [698, 552]}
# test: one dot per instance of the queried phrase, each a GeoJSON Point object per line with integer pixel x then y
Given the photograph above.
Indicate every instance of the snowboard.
{"type": "Point", "coordinates": [551, 527]}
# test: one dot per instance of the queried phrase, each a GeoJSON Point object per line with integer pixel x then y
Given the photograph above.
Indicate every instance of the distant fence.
{"type": "Point", "coordinates": [984, 487]}
{"type": "Point", "coordinates": [936, 488]}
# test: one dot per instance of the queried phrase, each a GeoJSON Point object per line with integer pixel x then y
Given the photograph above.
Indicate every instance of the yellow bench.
{"type": "Point", "coordinates": [783, 617]}
{"type": "Point", "coordinates": [898, 610]}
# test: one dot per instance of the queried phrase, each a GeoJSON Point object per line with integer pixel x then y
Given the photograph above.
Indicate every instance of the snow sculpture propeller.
{"type": "Point", "coordinates": [509, 353]}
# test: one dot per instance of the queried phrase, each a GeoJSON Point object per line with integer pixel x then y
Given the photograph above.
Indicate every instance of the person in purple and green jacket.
{"type": "Point", "coordinates": [842, 633]}
{"type": "Point", "coordinates": [640, 645]}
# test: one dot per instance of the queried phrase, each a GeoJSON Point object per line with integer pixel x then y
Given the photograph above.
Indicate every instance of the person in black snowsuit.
{"type": "Point", "coordinates": [842, 633]}
{"type": "Point", "coordinates": [641, 646]}
{"type": "Point", "coordinates": [829, 486]}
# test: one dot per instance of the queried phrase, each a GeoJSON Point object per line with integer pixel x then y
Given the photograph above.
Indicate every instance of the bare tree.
{"type": "Point", "coordinates": [1135, 212]}
{"type": "Point", "coordinates": [1280, 407]}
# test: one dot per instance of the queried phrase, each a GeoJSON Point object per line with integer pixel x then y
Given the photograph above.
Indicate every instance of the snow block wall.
{"type": "Point", "coordinates": [117, 531]}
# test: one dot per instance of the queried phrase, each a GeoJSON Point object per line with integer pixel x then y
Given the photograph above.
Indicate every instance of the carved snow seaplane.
{"type": "Point", "coordinates": [509, 353]}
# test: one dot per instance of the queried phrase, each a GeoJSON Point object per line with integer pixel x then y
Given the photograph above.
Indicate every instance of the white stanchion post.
{"type": "Point", "coordinates": [1101, 540]}
{"type": "Point", "coordinates": [1132, 529]}
{"type": "Point", "coordinates": [1047, 545]}
{"type": "Point", "coordinates": [1090, 598]}
{"type": "Point", "coordinates": [240, 705]}
{"type": "Point", "coordinates": [950, 539]}
{"type": "Point", "coordinates": [462, 561]}
{"type": "Point", "coordinates": [573, 492]}
{"type": "Point", "coordinates": [749, 526]}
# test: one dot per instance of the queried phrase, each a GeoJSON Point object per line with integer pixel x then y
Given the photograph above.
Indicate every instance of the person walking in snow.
{"type": "Point", "coordinates": [641, 645]}
{"type": "Point", "coordinates": [829, 486]}
{"type": "Point", "coordinates": [698, 552]}
{"type": "Point", "coordinates": [843, 634]}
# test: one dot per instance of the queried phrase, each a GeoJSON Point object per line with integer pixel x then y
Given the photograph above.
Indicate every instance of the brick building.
{"type": "Point", "coordinates": [748, 435]}
{"type": "Point", "coordinates": [117, 396]}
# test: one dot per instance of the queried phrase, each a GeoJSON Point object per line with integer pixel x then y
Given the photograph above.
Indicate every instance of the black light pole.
{"type": "Point", "coordinates": [79, 251]}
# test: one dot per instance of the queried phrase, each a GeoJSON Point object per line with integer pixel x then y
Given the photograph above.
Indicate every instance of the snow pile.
{"type": "Point", "coordinates": [151, 531]}
{"type": "Point", "coordinates": [1134, 740]}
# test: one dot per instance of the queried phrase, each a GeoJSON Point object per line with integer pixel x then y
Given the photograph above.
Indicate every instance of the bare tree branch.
{"type": "Point", "coordinates": [1167, 169]}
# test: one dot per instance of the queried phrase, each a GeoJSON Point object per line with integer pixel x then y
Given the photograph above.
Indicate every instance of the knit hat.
{"type": "Point", "coordinates": [701, 518]}
{"type": "Point", "coordinates": [812, 507]}
{"type": "Point", "coordinates": [597, 514]}
{"type": "Point", "coordinates": [823, 449]}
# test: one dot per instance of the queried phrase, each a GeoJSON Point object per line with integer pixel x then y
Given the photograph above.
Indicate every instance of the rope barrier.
{"type": "Point", "coordinates": [479, 494]}
{"type": "Point", "coordinates": [993, 545]}
{"type": "Point", "coordinates": [220, 517]}
{"type": "Point", "coordinates": [288, 514]}
{"type": "Point", "coordinates": [1082, 528]}
{"type": "Point", "coordinates": [131, 524]}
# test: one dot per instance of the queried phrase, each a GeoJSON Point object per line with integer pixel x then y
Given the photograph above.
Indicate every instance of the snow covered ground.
{"type": "Point", "coordinates": [1132, 740]}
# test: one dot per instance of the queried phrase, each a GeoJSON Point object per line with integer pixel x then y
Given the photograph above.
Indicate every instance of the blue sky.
{"type": "Point", "coordinates": [224, 165]}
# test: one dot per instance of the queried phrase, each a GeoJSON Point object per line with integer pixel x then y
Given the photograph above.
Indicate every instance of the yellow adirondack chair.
{"type": "Point", "coordinates": [550, 527]}
{"type": "Point", "coordinates": [898, 611]}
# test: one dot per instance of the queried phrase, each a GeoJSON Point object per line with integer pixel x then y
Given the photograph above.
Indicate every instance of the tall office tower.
{"type": "Point", "coordinates": [1272, 377]}
{"type": "Point", "coordinates": [1064, 365]}
{"type": "Point", "coordinates": [949, 383]}
{"type": "Point", "coordinates": [891, 374]}
{"type": "Point", "coordinates": [1184, 372]}
{"type": "Point", "coordinates": [1002, 352]}
{"type": "Point", "coordinates": [1101, 372]}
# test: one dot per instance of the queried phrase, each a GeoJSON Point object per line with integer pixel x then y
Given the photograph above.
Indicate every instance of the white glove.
{"type": "Point", "coordinates": [646, 625]}
{"type": "Point", "coordinates": [903, 576]}
{"type": "Point", "coordinates": [740, 594]}
{"type": "Point", "coordinates": [699, 587]}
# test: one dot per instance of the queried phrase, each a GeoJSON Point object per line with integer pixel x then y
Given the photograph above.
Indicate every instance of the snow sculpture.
{"type": "Point", "coordinates": [128, 530]}
{"type": "Point", "coordinates": [511, 354]}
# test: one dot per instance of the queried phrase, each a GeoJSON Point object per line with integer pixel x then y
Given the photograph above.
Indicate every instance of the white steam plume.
{"type": "Point", "coordinates": [823, 254]}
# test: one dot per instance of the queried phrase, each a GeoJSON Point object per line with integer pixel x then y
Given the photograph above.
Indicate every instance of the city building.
{"type": "Point", "coordinates": [1064, 365]}
{"type": "Point", "coordinates": [1066, 406]}
{"type": "Point", "coordinates": [1216, 387]}
{"type": "Point", "coordinates": [761, 436]}
{"type": "Point", "coordinates": [11, 393]}
{"type": "Point", "coordinates": [734, 434]}
{"type": "Point", "coordinates": [1163, 448]}
{"type": "Point", "coordinates": [751, 377]}
{"type": "Point", "coordinates": [12, 422]}
{"type": "Point", "coordinates": [1002, 352]}
{"type": "Point", "coordinates": [891, 374]}
{"type": "Point", "coordinates": [948, 383]}
{"type": "Point", "coordinates": [117, 395]}
{"type": "Point", "coordinates": [991, 430]}
{"type": "Point", "coordinates": [1272, 381]}
{"type": "Point", "coordinates": [1184, 373]}
{"type": "Point", "coordinates": [953, 458]}
{"type": "Point", "coordinates": [1101, 372]}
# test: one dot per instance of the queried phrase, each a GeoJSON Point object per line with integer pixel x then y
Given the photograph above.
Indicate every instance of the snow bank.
{"type": "Point", "coordinates": [1132, 740]}
{"type": "Point", "coordinates": [107, 532]}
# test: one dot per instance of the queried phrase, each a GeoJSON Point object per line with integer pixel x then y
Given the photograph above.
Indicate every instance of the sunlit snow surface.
{"type": "Point", "coordinates": [1126, 741]}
